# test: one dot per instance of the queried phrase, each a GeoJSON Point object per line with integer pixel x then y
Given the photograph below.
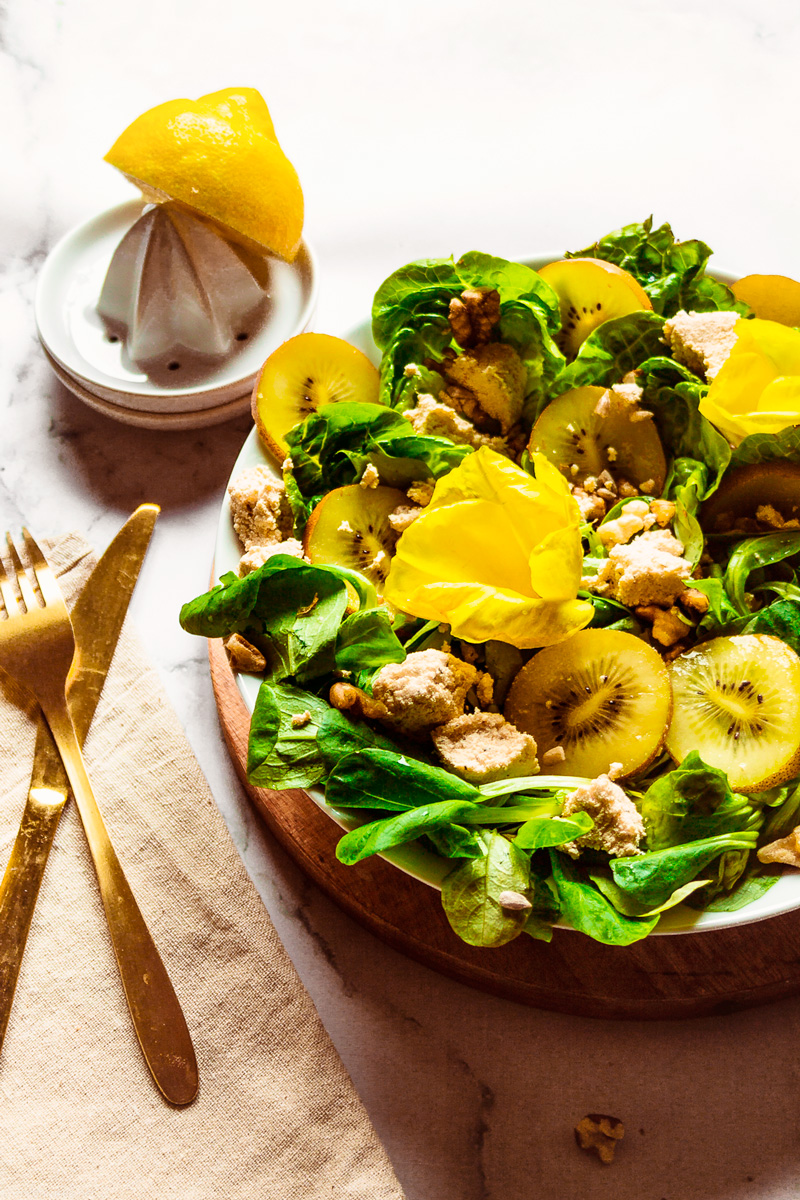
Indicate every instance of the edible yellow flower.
{"type": "Point", "coordinates": [757, 389]}
{"type": "Point", "coordinates": [496, 554]}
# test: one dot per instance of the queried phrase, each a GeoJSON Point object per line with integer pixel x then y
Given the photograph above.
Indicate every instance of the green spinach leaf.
{"type": "Point", "coordinates": [588, 910]}
{"type": "Point", "coordinates": [472, 893]}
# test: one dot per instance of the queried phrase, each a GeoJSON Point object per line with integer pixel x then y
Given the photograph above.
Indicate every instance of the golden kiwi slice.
{"type": "Point", "coordinates": [602, 695]}
{"type": "Point", "coordinates": [736, 701]}
{"type": "Point", "coordinates": [350, 528]}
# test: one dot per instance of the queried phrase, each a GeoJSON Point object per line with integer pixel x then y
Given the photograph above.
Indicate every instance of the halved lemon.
{"type": "Point", "coordinates": [218, 156]}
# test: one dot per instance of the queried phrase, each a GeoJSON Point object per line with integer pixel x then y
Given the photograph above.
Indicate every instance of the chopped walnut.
{"type": "Point", "coordinates": [300, 720]}
{"type": "Point", "coordinates": [663, 511]}
{"type": "Point", "coordinates": [514, 901]}
{"type": "Point", "coordinates": [769, 516]}
{"type": "Point", "coordinates": [668, 626]}
{"type": "Point", "coordinates": [485, 690]}
{"type": "Point", "coordinates": [598, 1134]}
{"type": "Point", "coordinates": [784, 850]}
{"type": "Point", "coordinates": [244, 655]}
{"type": "Point", "coordinates": [693, 601]}
{"type": "Point", "coordinates": [553, 756]}
{"type": "Point", "coordinates": [474, 315]}
{"type": "Point", "coordinates": [348, 698]}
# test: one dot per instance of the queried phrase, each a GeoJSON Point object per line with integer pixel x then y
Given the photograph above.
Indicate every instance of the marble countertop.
{"type": "Point", "coordinates": [418, 129]}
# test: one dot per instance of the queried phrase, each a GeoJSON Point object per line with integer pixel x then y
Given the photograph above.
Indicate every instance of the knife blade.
{"type": "Point", "coordinates": [97, 617]}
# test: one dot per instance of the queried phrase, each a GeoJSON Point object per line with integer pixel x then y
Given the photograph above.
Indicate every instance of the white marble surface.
{"type": "Point", "coordinates": [419, 129]}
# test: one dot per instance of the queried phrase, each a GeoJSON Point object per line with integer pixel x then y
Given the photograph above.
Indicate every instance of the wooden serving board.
{"type": "Point", "coordinates": [686, 975]}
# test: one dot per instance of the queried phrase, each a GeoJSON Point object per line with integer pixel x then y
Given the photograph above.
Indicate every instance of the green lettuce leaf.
{"type": "Point", "coordinates": [672, 273]}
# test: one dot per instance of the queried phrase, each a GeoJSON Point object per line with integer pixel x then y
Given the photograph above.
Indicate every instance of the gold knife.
{"type": "Point", "coordinates": [97, 617]}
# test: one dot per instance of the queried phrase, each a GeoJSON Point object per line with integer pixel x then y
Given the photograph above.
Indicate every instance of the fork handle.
{"type": "Point", "coordinates": [155, 1010]}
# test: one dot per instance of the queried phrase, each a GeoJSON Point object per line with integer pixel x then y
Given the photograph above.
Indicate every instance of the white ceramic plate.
{"type": "Point", "coordinates": [415, 859]}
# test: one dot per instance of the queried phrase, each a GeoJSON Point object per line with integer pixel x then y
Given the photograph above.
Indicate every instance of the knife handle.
{"type": "Point", "coordinates": [155, 1009]}
{"type": "Point", "coordinates": [20, 887]}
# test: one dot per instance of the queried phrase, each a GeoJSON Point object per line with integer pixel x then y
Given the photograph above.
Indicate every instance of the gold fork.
{"type": "Point", "coordinates": [37, 646]}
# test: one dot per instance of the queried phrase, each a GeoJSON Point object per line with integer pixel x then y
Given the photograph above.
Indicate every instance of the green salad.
{"type": "Point", "coordinates": [528, 592]}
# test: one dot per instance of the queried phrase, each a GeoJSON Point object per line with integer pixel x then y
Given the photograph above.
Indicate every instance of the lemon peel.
{"type": "Point", "coordinates": [219, 157]}
{"type": "Point", "coordinates": [495, 555]}
{"type": "Point", "coordinates": [757, 389]}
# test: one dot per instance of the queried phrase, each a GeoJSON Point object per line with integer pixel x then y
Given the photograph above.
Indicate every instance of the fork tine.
{"type": "Point", "coordinates": [7, 592]}
{"type": "Point", "coordinates": [51, 592]}
{"type": "Point", "coordinates": [24, 584]}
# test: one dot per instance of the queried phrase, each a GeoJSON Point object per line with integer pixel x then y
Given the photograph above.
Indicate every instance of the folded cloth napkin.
{"type": "Point", "coordinates": [277, 1116]}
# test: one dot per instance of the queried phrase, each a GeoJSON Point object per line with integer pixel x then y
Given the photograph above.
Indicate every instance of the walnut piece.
{"type": "Point", "coordinates": [350, 699]}
{"type": "Point", "coordinates": [784, 850]}
{"type": "Point", "coordinates": [474, 315]}
{"type": "Point", "coordinates": [598, 1134]}
{"type": "Point", "coordinates": [244, 655]}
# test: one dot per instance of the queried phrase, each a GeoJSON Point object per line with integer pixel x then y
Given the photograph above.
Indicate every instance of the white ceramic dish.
{"type": "Point", "coordinates": [92, 365]}
{"type": "Point", "coordinates": [415, 859]}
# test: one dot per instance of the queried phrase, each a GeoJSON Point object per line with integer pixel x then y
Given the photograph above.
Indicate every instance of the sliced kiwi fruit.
{"type": "Point", "coordinates": [602, 695]}
{"type": "Point", "coordinates": [572, 434]}
{"type": "Point", "coordinates": [350, 528]}
{"type": "Point", "coordinates": [590, 292]}
{"type": "Point", "coordinates": [302, 375]}
{"type": "Point", "coordinates": [744, 490]}
{"type": "Point", "coordinates": [736, 701]}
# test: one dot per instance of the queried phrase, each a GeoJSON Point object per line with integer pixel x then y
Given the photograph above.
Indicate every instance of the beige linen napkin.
{"type": "Point", "coordinates": [277, 1117]}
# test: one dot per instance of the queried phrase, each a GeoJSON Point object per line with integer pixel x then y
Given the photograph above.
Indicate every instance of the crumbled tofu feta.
{"type": "Point", "coordinates": [553, 756]}
{"type": "Point", "coordinates": [611, 454]}
{"type": "Point", "coordinates": [426, 690]}
{"type": "Point", "coordinates": [244, 655]}
{"type": "Point", "coordinates": [618, 826]}
{"type": "Point", "coordinates": [346, 527]}
{"type": "Point", "coordinates": [300, 720]}
{"type": "Point", "coordinates": [380, 564]}
{"type": "Point", "coordinates": [259, 508]}
{"type": "Point", "coordinates": [496, 376]}
{"type": "Point", "coordinates": [592, 506]}
{"type": "Point", "coordinates": [701, 341]}
{"type": "Point", "coordinates": [431, 417]}
{"type": "Point", "coordinates": [648, 570]}
{"type": "Point", "coordinates": [630, 393]}
{"type": "Point", "coordinates": [630, 521]}
{"type": "Point", "coordinates": [257, 555]}
{"type": "Point", "coordinates": [370, 478]}
{"type": "Point", "coordinates": [403, 516]}
{"type": "Point", "coordinates": [481, 747]}
{"type": "Point", "coordinates": [410, 370]}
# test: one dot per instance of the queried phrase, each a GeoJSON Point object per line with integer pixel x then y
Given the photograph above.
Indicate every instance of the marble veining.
{"type": "Point", "coordinates": [418, 130]}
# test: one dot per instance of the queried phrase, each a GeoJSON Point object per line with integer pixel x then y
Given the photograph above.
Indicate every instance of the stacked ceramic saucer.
{"type": "Point", "coordinates": [150, 316]}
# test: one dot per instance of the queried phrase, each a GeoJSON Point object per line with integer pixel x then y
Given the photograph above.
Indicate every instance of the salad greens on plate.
{"type": "Point", "coordinates": [528, 593]}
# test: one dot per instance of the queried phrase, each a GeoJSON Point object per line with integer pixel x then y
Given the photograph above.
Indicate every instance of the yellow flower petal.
{"type": "Point", "coordinates": [757, 389]}
{"type": "Point", "coordinates": [495, 555]}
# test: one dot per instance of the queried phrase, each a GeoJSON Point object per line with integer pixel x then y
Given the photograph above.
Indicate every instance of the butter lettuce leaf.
{"type": "Point", "coordinates": [672, 273]}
